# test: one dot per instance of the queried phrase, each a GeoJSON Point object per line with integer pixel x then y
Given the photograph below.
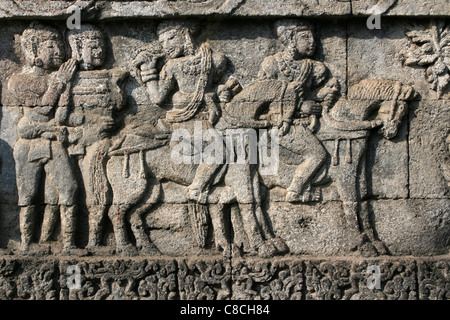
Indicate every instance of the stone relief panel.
{"type": "Point", "coordinates": [108, 123]}
{"type": "Point", "coordinates": [225, 156]}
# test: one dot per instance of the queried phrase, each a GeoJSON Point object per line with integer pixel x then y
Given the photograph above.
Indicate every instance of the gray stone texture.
{"type": "Point", "coordinates": [87, 177]}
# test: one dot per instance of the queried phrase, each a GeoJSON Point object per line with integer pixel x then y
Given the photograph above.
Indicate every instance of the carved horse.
{"type": "Point", "coordinates": [344, 130]}
{"type": "Point", "coordinates": [136, 174]}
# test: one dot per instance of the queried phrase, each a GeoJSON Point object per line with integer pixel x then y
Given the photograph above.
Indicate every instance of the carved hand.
{"type": "Point", "coordinates": [67, 71]}
{"type": "Point", "coordinates": [311, 108]}
{"type": "Point", "coordinates": [48, 135]}
{"type": "Point", "coordinates": [376, 123]}
{"type": "Point", "coordinates": [285, 127]}
{"type": "Point", "coordinates": [145, 62]}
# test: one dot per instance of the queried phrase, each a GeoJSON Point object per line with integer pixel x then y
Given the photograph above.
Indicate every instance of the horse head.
{"type": "Point", "coordinates": [389, 98]}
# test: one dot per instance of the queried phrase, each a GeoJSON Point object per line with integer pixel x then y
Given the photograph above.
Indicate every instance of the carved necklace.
{"type": "Point", "coordinates": [291, 68]}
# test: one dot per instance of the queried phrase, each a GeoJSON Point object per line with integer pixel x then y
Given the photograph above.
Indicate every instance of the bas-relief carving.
{"type": "Point", "coordinates": [74, 152]}
{"type": "Point", "coordinates": [70, 124]}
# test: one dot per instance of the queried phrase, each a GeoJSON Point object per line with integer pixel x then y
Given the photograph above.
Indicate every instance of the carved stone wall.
{"type": "Point", "coordinates": [225, 149]}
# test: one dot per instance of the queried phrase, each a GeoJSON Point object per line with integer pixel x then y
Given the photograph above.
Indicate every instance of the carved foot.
{"type": "Point", "coordinates": [71, 250]}
{"type": "Point", "coordinates": [381, 247]}
{"type": "Point", "coordinates": [371, 247]}
{"type": "Point", "coordinates": [280, 245]}
{"type": "Point", "coordinates": [267, 250]}
{"type": "Point", "coordinates": [309, 195]}
{"type": "Point", "coordinates": [149, 251]}
{"type": "Point", "coordinates": [127, 250]}
{"type": "Point", "coordinates": [34, 250]}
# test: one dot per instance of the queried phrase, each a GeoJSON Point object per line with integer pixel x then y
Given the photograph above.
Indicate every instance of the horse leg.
{"type": "Point", "coordinates": [279, 244]}
{"type": "Point", "coordinates": [149, 199]}
{"type": "Point", "coordinates": [143, 243]}
{"type": "Point", "coordinates": [346, 176]}
{"type": "Point", "coordinates": [264, 249]}
{"type": "Point", "coordinates": [217, 213]}
{"type": "Point", "coordinates": [117, 216]}
{"type": "Point", "coordinates": [96, 214]}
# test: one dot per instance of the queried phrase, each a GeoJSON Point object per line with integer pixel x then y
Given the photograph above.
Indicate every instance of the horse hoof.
{"type": "Point", "coordinates": [368, 250]}
{"type": "Point", "coordinates": [149, 251]}
{"type": "Point", "coordinates": [293, 197]}
{"type": "Point", "coordinates": [380, 247]}
{"type": "Point", "coordinates": [267, 250]}
{"type": "Point", "coordinates": [127, 251]}
{"type": "Point", "coordinates": [71, 250]}
{"type": "Point", "coordinates": [280, 245]}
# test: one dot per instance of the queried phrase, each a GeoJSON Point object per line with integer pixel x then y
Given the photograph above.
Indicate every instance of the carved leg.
{"type": "Point", "coordinates": [68, 226]}
{"type": "Point", "coordinates": [51, 214]}
{"type": "Point", "coordinates": [203, 176]}
{"type": "Point", "coordinates": [223, 241]}
{"type": "Point", "coordinates": [277, 242]}
{"type": "Point", "coordinates": [143, 242]}
{"type": "Point", "coordinates": [351, 213]}
{"type": "Point", "coordinates": [298, 190]}
{"type": "Point", "coordinates": [96, 214]}
{"type": "Point", "coordinates": [257, 243]}
{"type": "Point", "coordinates": [306, 144]}
{"type": "Point", "coordinates": [26, 221]}
{"type": "Point", "coordinates": [117, 216]}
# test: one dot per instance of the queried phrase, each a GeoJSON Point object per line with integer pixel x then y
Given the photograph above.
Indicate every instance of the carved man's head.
{"type": "Point", "coordinates": [176, 38]}
{"type": "Point", "coordinates": [297, 37]}
{"type": "Point", "coordinates": [42, 46]}
{"type": "Point", "coordinates": [88, 46]}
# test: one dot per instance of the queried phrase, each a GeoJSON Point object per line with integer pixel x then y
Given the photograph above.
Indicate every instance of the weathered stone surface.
{"type": "Point", "coordinates": [200, 279]}
{"type": "Point", "coordinates": [428, 149]}
{"type": "Point", "coordinates": [423, 230]}
{"type": "Point", "coordinates": [382, 54]}
{"type": "Point", "coordinates": [346, 280]}
{"type": "Point", "coordinates": [119, 280]}
{"type": "Point", "coordinates": [433, 279]}
{"type": "Point", "coordinates": [281, 278]}
{"type": "Point", "coordinates": [400, 8]}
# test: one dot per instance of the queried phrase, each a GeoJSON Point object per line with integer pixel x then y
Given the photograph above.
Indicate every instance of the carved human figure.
{"type": "Point", "coordinates": [186, 85]}
{"type": "Point", "coordinates": [94, 97]}
{"type": "Point", "coordinates": [294, 64]}
{"type": "Point", "coordinates": [40, 150]}
{"type": "Point", "coordinates": [297, 84]}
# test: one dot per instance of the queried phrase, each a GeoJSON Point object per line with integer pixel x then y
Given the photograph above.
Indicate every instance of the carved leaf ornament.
{"type": "Point", "coordinates": [430, 48]}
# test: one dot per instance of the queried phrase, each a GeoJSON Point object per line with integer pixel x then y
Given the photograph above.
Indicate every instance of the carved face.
{"type": "Point", "coordinates": [304, 43]}
{"type": "Point", "coordinates": [92, 54]}
{"type": "Point", "coordinates": [51, 53]}
{"type": "Point", "coordinates": [172, 42]}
